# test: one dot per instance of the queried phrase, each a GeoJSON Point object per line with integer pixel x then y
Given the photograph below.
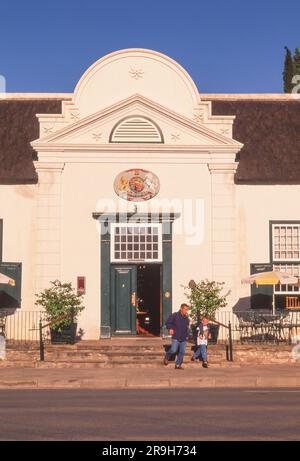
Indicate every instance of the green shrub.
{"type": "Point", "coordinates": [205, 298]}
{"type": "Point", "coordinates": [60, 300]}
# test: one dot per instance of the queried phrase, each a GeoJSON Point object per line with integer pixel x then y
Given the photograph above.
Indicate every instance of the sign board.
{"type": "Point", "coordinates": [262, 295]}
{"type": "Point", "coordinates": [10, 294]}
{"type": "Point", "coordinates": [80, 285]}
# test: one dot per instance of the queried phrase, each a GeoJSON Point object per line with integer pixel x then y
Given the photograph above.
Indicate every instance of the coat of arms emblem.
{"type": "Point", "coordinates": [136, 185]}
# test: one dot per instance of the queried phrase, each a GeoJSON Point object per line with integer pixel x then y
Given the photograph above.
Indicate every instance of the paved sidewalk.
{"type": "Point", "coordinates": [151, 378]}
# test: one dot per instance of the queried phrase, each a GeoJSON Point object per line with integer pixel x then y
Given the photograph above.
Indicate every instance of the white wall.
{"type": "Point", "coordinates": [256, 206]}
{"type": "Point", "coordinates": [18, 211]}
{"type": "Point", "coordinates": [84, 184]}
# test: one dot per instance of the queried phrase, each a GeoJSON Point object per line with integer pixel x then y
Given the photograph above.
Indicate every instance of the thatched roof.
{"type": "Point", "coordinates": [269, 130]}
{"type": "Point", "coordinates": [18, 127]}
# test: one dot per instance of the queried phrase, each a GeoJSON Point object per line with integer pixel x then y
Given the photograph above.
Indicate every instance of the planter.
{"type": "Point", "coordinates": [66, 336]}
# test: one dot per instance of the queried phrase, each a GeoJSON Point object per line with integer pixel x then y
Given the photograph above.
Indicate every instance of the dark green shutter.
{"type": "Point", "coordinates": [10, 296]}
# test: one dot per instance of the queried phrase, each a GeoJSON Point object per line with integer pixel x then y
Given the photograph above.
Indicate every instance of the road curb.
{"type": "Point", "coordinates": [32, 384]}
{"type": "Point", "coordinates": [253, 382]}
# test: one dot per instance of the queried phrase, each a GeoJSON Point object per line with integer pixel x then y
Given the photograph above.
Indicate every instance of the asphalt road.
{"type": "Point", "coordinates": [168, 415]}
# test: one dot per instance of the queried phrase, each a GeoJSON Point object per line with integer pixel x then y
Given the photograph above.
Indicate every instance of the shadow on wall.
{"type": "Point", "coordinates": [4, 313]}
{"type": "Point", "coordinates": [7, 301]}
{"type": "Point", "coordinates": [258, 303]}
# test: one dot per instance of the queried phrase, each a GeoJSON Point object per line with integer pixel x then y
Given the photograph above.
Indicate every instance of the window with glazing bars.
{"type": "Point", "coordinates": [293, 269]}
{"type": "Point", "coordinates": [286, 242]}
{"type": "Point", "coordinates": [136, 242]}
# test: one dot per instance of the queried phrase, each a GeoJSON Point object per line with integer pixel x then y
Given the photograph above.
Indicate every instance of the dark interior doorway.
{"type": "Point", "coordinates": [149, 299]}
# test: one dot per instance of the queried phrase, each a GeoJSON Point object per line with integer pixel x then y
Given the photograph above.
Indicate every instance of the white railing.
{"type": "Point", "coordinates": [23, 325]}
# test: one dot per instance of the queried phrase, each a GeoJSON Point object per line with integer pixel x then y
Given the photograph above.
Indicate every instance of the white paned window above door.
{"type": "Point", "coordinates": [136, 242]}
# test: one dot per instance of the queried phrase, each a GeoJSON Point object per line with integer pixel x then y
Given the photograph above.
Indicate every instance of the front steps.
{"type": "Point", "coordinates": [137, 353]}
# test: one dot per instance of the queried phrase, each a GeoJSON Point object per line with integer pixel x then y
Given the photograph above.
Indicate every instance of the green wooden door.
{"type": "Point", "coordinates": [123, 299]}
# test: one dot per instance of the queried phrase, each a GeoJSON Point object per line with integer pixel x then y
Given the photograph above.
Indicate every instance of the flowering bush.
{"type": "Point", "coordinates": [205, 298]}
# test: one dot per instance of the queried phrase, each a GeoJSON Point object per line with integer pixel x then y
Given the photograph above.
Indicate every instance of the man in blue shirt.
{"type": "Point", "coordinates": [178, 326]}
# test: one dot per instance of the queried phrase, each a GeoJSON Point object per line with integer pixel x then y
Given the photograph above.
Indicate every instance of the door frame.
{"type": "Point", "coordinates": [105, 220]}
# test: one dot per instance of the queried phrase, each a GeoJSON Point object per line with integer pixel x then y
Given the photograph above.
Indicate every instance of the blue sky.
{"type": "Point", "coordinates": [227, 46]}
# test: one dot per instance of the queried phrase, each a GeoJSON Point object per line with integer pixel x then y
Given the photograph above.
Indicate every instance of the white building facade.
{"type": "Point", "coordinates": [136, 194]}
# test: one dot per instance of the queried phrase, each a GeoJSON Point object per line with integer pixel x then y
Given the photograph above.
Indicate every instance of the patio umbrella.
{"type": "Point", "coordinates": [6, 280]}
{"type": "Point", "coordinates": [271, 278]}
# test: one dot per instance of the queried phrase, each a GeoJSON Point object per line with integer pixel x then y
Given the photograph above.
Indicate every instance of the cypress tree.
{"type": "Point", "coordinates": [288, 71]}
{"type": "Point", "coordinates": [297, 62]}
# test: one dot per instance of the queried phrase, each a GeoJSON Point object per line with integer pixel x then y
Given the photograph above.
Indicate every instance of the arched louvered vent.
{"type": "Point", "coordinates": [136, 129]}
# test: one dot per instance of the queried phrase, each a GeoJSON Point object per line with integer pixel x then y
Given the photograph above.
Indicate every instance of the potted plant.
{"type": "Point", "coordinates": [205, 298]}
{"type": "Point", "coordinates": [62, 306]}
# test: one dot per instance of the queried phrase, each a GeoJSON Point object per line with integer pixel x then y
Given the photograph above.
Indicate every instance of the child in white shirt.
{"type": "Point", "coordinates": [202, 338]}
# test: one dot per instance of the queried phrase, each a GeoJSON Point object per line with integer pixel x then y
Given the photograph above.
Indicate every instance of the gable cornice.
{"type": "Point", "coordinates": [131, 102]}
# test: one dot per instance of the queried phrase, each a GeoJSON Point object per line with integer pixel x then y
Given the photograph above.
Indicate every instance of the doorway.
{"type": "Point", "coordinates": [136, 306]}
{"type": "Point", "coordinates": [119, 283]}
{"type": "Point", "coordinates": [148, 322]}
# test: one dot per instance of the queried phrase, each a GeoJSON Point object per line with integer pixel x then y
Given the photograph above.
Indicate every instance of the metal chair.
{"type": "Point", "coordinates": [246, 328]}
{"type": "Point", "coordinates": [292, 302]}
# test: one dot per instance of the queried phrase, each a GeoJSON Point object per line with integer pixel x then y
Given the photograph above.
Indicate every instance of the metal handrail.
{"type": "Point", "coordinates": [229, 346]}
{"type": "Point", "coordinates": [41, 327]}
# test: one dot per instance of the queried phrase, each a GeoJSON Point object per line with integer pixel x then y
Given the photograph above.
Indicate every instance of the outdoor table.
{"type": "Point", "coordinates": [261, 327]}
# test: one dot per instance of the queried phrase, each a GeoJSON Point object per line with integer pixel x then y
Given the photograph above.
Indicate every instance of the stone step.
{"type": "Point", "coordinates": [69, 353]}
{"type": "Point", "coordinates": [119, 353]}
{"type": "Point", "coordinates": [104, 364]}
{"type": "Point", "coordinates": [18, 363]}
{"type": "Point", "coordinates": [142, 355]}
{"type": "Point", "coordinates": [142, 347]}
{"type": "Point", "coordinates": [140, 362]}
{"type": "Point", "coordinates": [108, 356]}
{"type": "Point", "coordinates": [129, 349]}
